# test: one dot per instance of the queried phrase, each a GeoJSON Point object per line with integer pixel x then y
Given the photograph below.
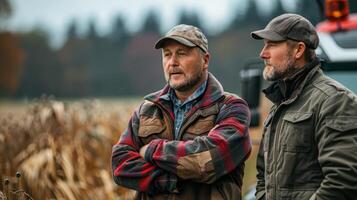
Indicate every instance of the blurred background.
{"type": "Point", "coordinates": [71, 73]}
{"type": "Point", "coordinates": [73, 49]}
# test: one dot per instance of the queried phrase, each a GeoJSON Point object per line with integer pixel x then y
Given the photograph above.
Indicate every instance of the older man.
{"type": "Point", "coordinates": [309, 144]}
{"type": "Point", "coordinates": [190, 139]}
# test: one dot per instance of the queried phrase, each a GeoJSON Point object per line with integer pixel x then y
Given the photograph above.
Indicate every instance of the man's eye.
{"type": "Point", "coordinates": [269, 45]}
{"type": "Point", "coordinates": [181, 53]}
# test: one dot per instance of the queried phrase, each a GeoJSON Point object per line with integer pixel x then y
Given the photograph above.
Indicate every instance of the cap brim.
{"type": "Point", "coordinates": [268, 35]}
{"type": "Point", "coordinates": [160, 43]}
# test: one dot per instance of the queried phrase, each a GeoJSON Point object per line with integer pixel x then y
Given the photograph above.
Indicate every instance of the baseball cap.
{"type": "Point", "coordinates": [289, 26]}
{"type": "Point", "coordinates": [187, 35]}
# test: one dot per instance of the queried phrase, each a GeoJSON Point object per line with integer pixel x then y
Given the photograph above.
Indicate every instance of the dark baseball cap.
{"type": "Point", "coordinates": [187, 35]}
{"type": "Point", "coordinates": [289, 26]}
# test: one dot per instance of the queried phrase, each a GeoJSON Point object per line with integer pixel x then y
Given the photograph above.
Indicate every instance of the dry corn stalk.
{"type": "Point", "coordinates": [63, 149]}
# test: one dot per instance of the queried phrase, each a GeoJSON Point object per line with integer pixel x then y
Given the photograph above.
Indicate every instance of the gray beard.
{"type": "Point", "coordinates": [280, 75]}
{"type": "Point", "coordinates": [186, 86]}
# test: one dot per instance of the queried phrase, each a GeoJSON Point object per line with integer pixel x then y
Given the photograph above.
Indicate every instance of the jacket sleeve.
{"type": "Point", "coordinates": [337, 145]}
{"type": "Point", "coordinates": [207, 158]}
{"type": "Point", "coordinates": [130, 170]}
{"type": "Point", "coordinates": [260, 192]}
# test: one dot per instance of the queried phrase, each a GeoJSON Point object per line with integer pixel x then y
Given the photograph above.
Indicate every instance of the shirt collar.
{"type": "Point", "coordinates": [171, 96]}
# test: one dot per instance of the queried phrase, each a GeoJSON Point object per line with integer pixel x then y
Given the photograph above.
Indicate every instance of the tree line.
{"type": "Point", "coordinates": [120, 63]}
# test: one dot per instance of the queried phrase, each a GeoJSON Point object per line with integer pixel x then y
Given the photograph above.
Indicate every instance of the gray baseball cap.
{"type": "Point", "coordinates": [289, 26]}
{"type": "Point", "coordinates": [188, 35]}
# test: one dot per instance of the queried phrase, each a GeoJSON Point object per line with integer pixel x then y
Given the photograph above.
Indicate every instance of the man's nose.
{"type": "Point", "coordinates": [173, 60]}
{"type": "Point", "coordinates": [264, 53]}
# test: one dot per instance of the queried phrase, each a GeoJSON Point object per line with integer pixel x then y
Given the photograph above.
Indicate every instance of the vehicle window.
{"type": "Point", "coordinates": [346, 39]}
{"type": "Point", "coordinates": [350, 66]}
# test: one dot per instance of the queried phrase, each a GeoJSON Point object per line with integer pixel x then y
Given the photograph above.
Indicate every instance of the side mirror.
{"type": "Point", "coordinates": [250, 91]}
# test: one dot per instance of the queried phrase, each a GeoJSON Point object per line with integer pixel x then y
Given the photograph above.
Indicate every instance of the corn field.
{"type": "Point", "coordinates": [57, 150]}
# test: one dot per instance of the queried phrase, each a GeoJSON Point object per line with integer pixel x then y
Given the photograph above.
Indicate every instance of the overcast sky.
{"type": "Point", "coordinates": [55, 15]}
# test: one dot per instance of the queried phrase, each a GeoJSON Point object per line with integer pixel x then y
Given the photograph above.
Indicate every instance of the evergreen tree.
{"type": "Point", "coordinates": [251, 17]}
{"type": "Point", "coordinates": [92, 33]}
{"type": "Point", "coordinates": [72, 32]}
{"type": "Point", "coordinates": [190, 18]}
{"type": "Point", "coordinates": [278, 10]}
{"type": "Point", "coordinates": [42, 72]}
{"type": "Point", "coordinates": [5, 11]}
{"type": "Point", "coordinates": [11, 63]}
{"type": "Point", "coordinates": [118, 31]}
{"type": "Point", "coordinates": [309, 10]}
{"type": "Point", "coordinates": [151, 23]}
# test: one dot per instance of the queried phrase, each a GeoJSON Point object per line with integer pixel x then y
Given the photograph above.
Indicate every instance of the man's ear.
{"type": "Point", "coordinates": [206, 59]}
{"type": "Point", "coordinates": [299, 51]}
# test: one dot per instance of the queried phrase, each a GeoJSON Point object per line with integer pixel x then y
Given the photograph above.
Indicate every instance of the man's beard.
{"type": "Point", "coordinates": [275, 75]}
{"type": "Point", "coordinates": [187, 84]}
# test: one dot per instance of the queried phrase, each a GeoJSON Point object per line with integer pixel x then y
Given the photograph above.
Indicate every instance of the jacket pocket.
{"type": "Point", "coordinates": [199, 128]}
{"type": "Point", "coordinates": [297, 159]}
{"type": "Point", "coordinates": [150, 128]}
{"type": "Point", "coordinates": [227, 190]}
{"type": "Point", "coordinates": [297, 132]}
{"type": "Point", "coordinates": [296, 194]}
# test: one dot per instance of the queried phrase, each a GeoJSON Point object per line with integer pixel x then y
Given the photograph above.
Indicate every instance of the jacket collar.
{"type": "Point", "coordinates": [287, 90]}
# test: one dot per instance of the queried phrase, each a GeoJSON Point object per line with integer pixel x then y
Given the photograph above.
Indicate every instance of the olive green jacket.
{"type": "Point", "coordinates": [309, 144]}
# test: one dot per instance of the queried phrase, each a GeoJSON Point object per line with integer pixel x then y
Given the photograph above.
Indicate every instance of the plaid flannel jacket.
{"type": "Point", "coordinates": [213, 143]}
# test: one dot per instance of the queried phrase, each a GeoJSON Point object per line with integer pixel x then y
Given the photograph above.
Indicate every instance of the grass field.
{"type": "Point", "coordinates": [62, 148]}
